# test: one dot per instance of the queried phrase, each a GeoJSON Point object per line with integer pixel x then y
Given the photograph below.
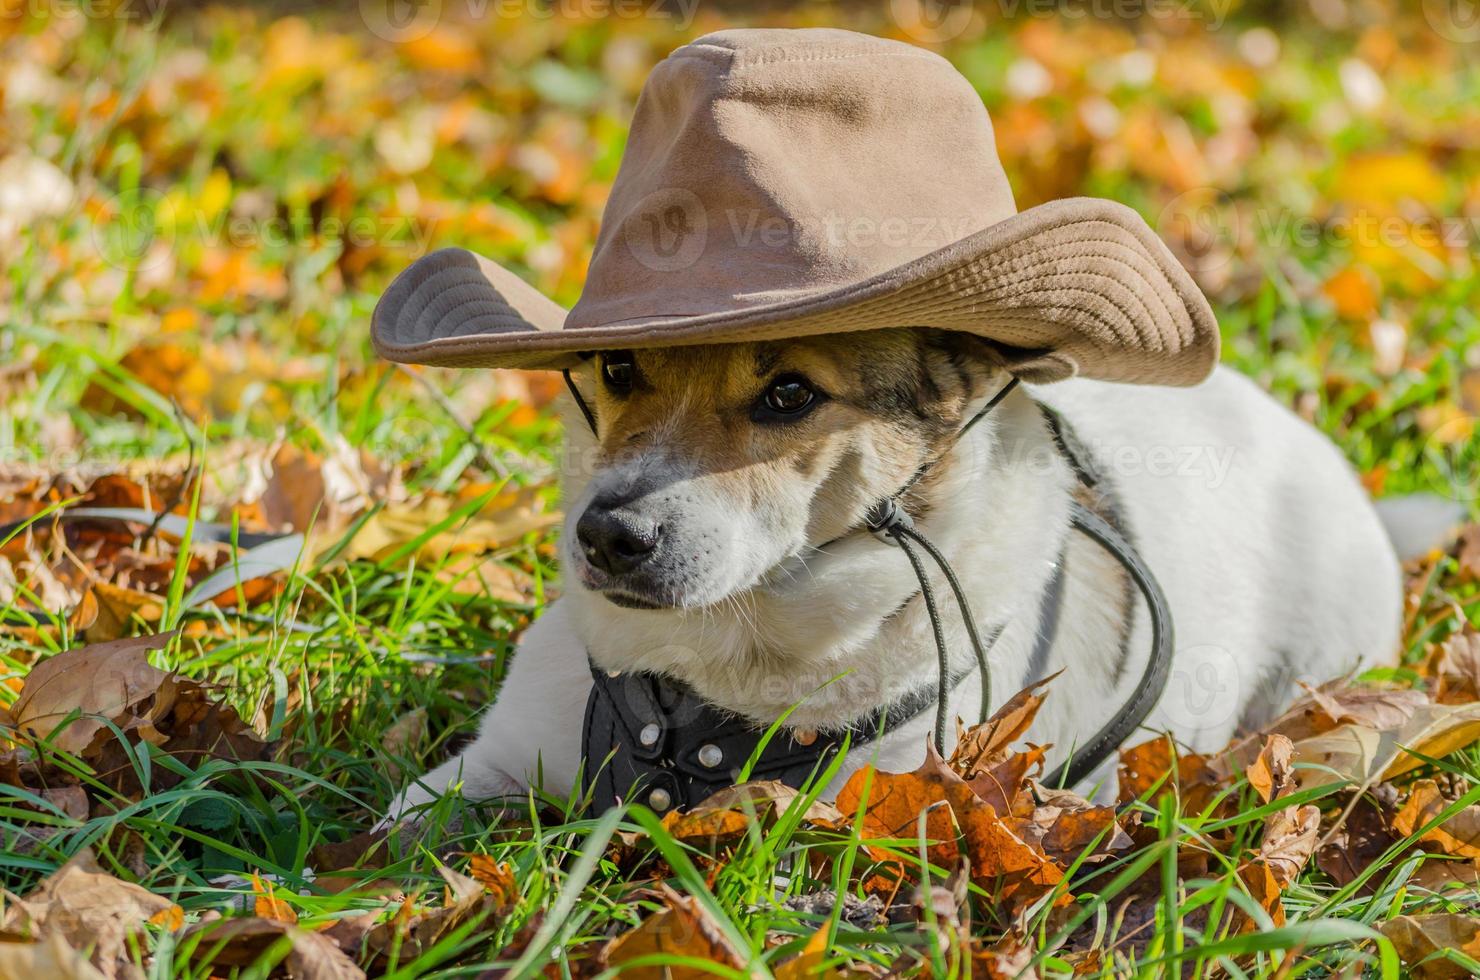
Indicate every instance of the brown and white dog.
{"type": "Point", "coordinates": [715, 535]}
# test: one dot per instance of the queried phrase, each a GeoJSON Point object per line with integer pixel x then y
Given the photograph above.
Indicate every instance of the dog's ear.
{"type": "Point", "coordinates": [1032, 366]}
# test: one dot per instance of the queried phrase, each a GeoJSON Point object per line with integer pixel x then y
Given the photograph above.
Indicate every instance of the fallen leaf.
{"type": "Point", "coordinates": [268, 906]}
{"type": "Point", "coordinates": [1364, 837]}
{"type": "Point", "coordinates": [241, 943]}
{"type": "Point", "coordinates": [1458, 668]}
{"type": "Point", "coordinates": [1420, 941]}
{"type": "Point", "coordinates": [410, 933]}
{"type": "Point", "coordinates": [105, 680]}
{"type": "Point", "coordinates": [1271, 774]}
{"type": "Point", "coordinates": [1362, 755]}
{"type": "Point", "coordinates": [807, 963]}
{"type": "Point", "coordinates": [684, 928]}
{"type": "Point", "coordinates": [1064, 825]}
{"type": "Point", "coordinates": [1158, 764]}
{"type": "Point", "coordinates": [986, 744]}
{"type": "Point", "coordinates": [502, 518]}
{"type": "Point", "coordinates": [119, 610]}
{"type": "Point", "coordinates": [497, 877]}
{"type": "Point", "coordinates": [1437, 874]}
{"type": "Point", "coordinates": [1459, 834]}
{"type": "Point", "coordinates": [88, 909]}
{"type": "Point", "coordinates": [1382, 709]}
{"type": "Point", "coordinates": [723, 817]}
{"type": "Point", "coordinates": [894, 803]}
{"type": "Point", "coordinates": [1289, 839]}
{"type": "Point", "coordinates": [1353, 293]}
{"type": "Point", "coordinates": [1008, 959]}
{"type": "Point", "coordinates": [366, 849]}
{"type": "Point", "coordinates": [50, 959]}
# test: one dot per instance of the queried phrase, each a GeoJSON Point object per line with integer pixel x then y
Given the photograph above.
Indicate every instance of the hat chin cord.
{"type": "Point", "coordinates": [888, 522]}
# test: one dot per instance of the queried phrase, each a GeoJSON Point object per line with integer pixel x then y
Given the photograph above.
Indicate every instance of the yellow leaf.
{"type": "Point", "coordinates": [1384, 180]}
{"type": "Point", "coordinates": [1353, 292]}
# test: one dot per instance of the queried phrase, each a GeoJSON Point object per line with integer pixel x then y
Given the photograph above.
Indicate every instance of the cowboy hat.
{"type": "Point", "coordinates": [789, 183]}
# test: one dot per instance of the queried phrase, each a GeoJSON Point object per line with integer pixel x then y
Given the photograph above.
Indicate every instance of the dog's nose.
{"type": "Point", "coordinates": [616, 540]}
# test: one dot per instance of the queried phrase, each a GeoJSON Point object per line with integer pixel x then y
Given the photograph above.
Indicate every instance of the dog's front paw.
{"type": "Point", "coordinates": [460, 776]}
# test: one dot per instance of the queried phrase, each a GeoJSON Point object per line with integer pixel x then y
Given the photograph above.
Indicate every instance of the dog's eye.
{"type": "Point", "coordinates": [617, 370]}
{"type": "Point", "coordinates": [789, 395]}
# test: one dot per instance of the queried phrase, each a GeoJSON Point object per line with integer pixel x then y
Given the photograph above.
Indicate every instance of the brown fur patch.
{"type": "Point", "coordinates": [889, 401]}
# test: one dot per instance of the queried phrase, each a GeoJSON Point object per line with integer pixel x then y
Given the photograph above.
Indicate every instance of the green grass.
{"type": "Point", "coordinates": [344, 650]}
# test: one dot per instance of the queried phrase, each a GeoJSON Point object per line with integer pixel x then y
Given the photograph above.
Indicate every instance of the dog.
{"type": "Point", "coordinates": [815, 317]}
{"type": "Point", "coordinates": [716, 537]}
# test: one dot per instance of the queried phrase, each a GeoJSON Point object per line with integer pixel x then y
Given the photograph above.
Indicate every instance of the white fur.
{"type": "Point", "coordinates": [1273, 559]}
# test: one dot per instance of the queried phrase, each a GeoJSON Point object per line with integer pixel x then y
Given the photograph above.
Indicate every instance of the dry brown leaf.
{"type": "Point", "coordinates": [410, 932]}
{"type": "Point", "coordinates": [1007, 959]}
{"type": "Point", "coordinates": [1003, 862]}
{"type": "Point", "coordinates": [504, 519]}
{"type": "Point", "coordinates": [1459, 834]}
{"type": "Point", "coordinates": [1383, 709]}
{"type": "Point", "coordinates": [1419, 938]}
{"type": "Point", "coordinates": [1437, 874]}
{"type": "Point", "coordinates": [1289, 839]}
{"type": "Point", "coordinates": [110, 680]}
{"type": "Point", "coordinates": [807, 963]}
{"type": "Point", "coordinates": [115, 682]}
{"type": "Point", "coordinates": [1458, 668]}
{"type": "Point", "coordinates": [49, 959]}
{"type": "Point", "coordinates": [723, 817]}
{"type": "Point", "coordinates": [71, 800]}
{"type": "Point", "coordinates": [1271, 774]}
{"type": "Point", "coordinates": [119, 611]}
{"type": "Point", "coordinates": [1363, 838]}
{"type": "Point", "coordinates": [268, 906]}
{"type": "Point", "coordinates": [1002, 785]}
{"type": "Point", "coordinates": [240, 943]}
{"type": "Point", "coordinates": [88, 908]}
{"type": "Point", "coordinates": [1157, 763]}
{"type": "Point", "coordinates": [987, 744]}
{"type": "Point", "coordinates": [1467, 548]}
{"type": "Point", "coordinates": [366, 849]}
{"type": "Point", "coordinates": [1063, 825]}
{"type": "Point", "coordinates": [497, 877]}
{"type": "Point", "coordinates": [894, 802]}
{"type": "Point", "coordinates": [683, 928]}
{"type": "Point", "coordinates": [1363, 756]}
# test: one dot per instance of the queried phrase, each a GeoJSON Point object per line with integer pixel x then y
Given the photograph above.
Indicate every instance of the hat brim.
{"type": "Point", "coordinates": [1080, 286]}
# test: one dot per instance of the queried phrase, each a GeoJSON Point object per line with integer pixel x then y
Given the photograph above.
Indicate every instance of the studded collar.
{"type": "Point", "coordinates": [654, 740]}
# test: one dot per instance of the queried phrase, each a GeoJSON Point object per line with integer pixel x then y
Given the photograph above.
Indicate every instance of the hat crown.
{"type": "Point", "coordinates": [764, 165]}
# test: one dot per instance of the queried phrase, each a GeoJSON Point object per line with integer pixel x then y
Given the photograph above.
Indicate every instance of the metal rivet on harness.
{"type": "Point", "coordinates": [649, 735]}
{"type": "Point", "coordinates": [660, 799]}
{"type": "Point", "coordinates": [711, 755]}
{"type": "Point", "coordinates": [804, 736]}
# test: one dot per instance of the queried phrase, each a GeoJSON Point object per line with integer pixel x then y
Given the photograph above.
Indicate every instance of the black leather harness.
{"type": "Point", "coordinates": [651, 739]}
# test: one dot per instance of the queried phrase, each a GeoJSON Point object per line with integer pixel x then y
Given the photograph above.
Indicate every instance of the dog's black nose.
{"type": "Point", "coordinates": [616, 540]}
